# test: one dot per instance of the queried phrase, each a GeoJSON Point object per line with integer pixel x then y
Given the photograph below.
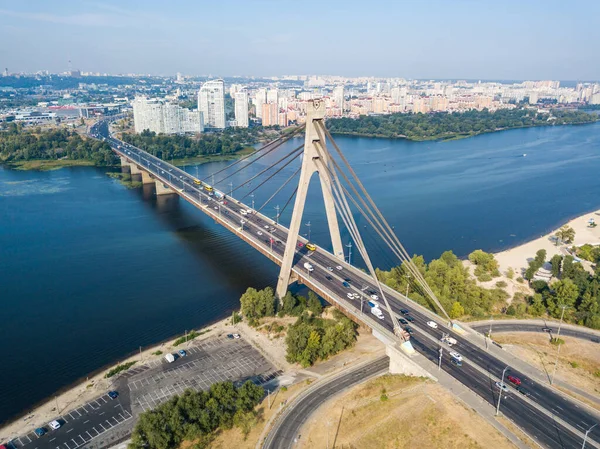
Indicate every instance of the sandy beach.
{"type": "Point", "coordinates": [518, 257]}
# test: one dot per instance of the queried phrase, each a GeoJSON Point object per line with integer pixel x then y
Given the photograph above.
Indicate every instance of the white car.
{"type": "Point", "coordinates": [456, 356]}
{"type": "Point", "coordinates": [216, 207]}
{"type": "Point", "coordinates": [375, 297]}
{"type": "Point", "coordinates": [502, 386]}
{"type": "Point", "coordinates": [236, 336]}
{"type": "Point", "coordinates": [54, 425]}
{"type": "Point", "coordinates": [350, 295]}
{"type": "Point", "coordinates": [432, 324]}
{"type": "Point", "coordinates": [377, 312]}
{"type": "Point", "coordinates": [356, 295]}
{"type": "Point", "coordinates": [329, 269]}
{"type": "Point", "coordinates": [259, 232]}
{"type": "Point", "coordinates": [243, 212]}
{"type": "Point", "coordinates": [339, 268]}
{"type": "Point", "coordinates": [266, 226]}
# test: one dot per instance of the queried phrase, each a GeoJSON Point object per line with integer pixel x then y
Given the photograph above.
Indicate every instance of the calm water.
{"type": "Point", "coordinates": [90, 271]}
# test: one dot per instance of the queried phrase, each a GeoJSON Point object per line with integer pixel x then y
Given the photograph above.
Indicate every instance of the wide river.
{"type": "Point", "coordinates": [90, 270]}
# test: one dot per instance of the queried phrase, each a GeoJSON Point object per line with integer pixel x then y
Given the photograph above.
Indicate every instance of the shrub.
{"type": "Point", "coordinates": [520, 280]}
{"type": "Point", "coordinates": [501, 284]}
{"type": "Point", "coordinates": [574, 364]}
{"type": "Point", "coordinates": [159, 352]}
{"type": "Point", "coordinates": [510, 273]}
{"type": "Point", "coordinates": [117, 369]}
{"type": "Point", "coordinates": [557, 341]}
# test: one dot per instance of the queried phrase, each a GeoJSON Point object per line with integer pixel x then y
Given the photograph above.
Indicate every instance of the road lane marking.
{"type": "Point", "coordinates": [118, 405]}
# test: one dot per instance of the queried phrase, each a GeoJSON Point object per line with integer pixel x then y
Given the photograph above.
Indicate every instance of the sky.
{"type": "Point", "coordinates": [426, 39]}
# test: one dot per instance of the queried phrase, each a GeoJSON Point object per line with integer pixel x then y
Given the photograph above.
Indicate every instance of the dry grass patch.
{"type": "Point", "coordinates": [416, 413]}
{"type": "Point", "coordinates": [578, 362]}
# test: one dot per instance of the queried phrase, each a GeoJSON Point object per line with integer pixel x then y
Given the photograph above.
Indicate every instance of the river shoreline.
{"type": "Point", "coordinates": [94, 384]}
{"type": "Point", "coordinates": [453, 136]}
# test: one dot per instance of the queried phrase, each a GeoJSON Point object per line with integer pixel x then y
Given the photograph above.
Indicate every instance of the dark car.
{"type": "Point", "coordinates": [345, 284]}
{"type": "Point", "coordinates": [410, 318]}
{"type": "Point", "coordinates": [113, 394]}
{"type": "Point", "coordinates": [40, 431]}
{"type": "Point", "coordinates": [182, 353]}
{"type": "Point", "coordinates": [404, 311]}
{"type": "Point", "coordinates": [402, 321]}
{"type": "Point", "coordinates": [522, 391]}
{"type": "Point", "coordinates": [230, 336]}
{"type": "Point", "coordinates": [546, 329]}
{"type": "Point", "coordinates": [329, 278]}
{"type": "Point", "coordinates": [348, 280]}
{"type": "Point", "coordinates": [409, 330]}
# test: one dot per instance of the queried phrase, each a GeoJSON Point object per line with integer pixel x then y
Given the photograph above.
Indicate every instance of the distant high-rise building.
{"type": "Point", "coordinates": [163, 117]}
{"type": "Point", "coordinates": [270, 114]}
{"type": "Point", "coordinates": [338, 96]}
{"type": "Point", "coordinates": [260, 98]}
{"type": "Point", "coordinates": [273, 96]}
{"type": "Point", "coordinates": [211, 102]}
{"type": "Point", "coordinates": [241, 108]}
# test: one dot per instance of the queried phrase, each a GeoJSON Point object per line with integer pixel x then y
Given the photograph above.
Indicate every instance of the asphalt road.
{"type": "Point", "coordinates": [501, 326]}
{"type": "Point", "coordinates": [261, 229]}
{"type": "Point", "coordinates": [287, 430]}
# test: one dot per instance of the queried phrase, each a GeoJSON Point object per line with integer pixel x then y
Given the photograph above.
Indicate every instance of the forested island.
{"type": "Point", "coordinates": [445, 126]}
{"type": "Point", "coordinates": [28, 148]}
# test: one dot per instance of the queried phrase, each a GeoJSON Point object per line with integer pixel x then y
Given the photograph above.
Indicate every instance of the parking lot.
{"type": "Point", "coordinates": [146, 386]}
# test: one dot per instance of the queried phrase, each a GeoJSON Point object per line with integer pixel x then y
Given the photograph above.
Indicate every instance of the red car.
{"type": "Point", "coordinates": [514, 380]}
{"type": "Point", "coordinates": [300, 244]}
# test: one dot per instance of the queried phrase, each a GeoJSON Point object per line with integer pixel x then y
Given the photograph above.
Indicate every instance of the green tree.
{"type": "Point", "coordinates": [540, 257]}
{"type": "Point", "coordinates": [311, 351]}
{"type": "Point", "coordinates": [314, 305]}
{"type": "Point", "coordinates": [457, 310]}
{"type": "Point", "coordinates": [565, 234]}
{"type": "Point", "coordinates": [565, 294]}
{"type": "Point", "coordinates": [556, 262]}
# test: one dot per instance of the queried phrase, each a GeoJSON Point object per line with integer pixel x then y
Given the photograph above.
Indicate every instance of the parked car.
{"type": "Point", "coordinates": [40, 431]}
{"type": "Point", "coordinates": [230, 336]}
{"type": "Point", "coordinates": [182, 352]}
{"type": "Point", "coordinates": [55, 425]}
{"type": "Point", "coordinates": [236, 336]}
{"type": "Point", "coordinates": [113, 394]}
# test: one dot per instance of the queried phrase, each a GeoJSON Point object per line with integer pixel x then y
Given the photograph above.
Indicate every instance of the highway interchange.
{"type": "Point", "coordinates": [546, 415]}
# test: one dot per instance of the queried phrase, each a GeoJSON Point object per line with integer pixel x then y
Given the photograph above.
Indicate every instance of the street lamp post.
{"type": "Point", "coordinates": [555, 365]}
{"type": "Point", "coordinates": [362, 298]}
{"type": "Point", "coordinates": [349, 246]}
{"type": "Point", "coordinates": [440, 359]}
{"type": "Point", "coordinates": [562, 314]}
{"type": "Point", "coordinates": [276, 216]}
{"type": "Point", "coordinates": [586, 434]}
{"type": "Point", "coordinates": [500, 390]}
{"type": "Point", "coordinates": [407, 284]}
{"type": "Point", "coordinates": [308, 225]}
{"type": "Point", "coordinates": [252, 196]}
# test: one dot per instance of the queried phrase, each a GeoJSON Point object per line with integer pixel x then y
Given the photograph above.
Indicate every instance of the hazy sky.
{"type": "Point", "coordinates": [500, 39]}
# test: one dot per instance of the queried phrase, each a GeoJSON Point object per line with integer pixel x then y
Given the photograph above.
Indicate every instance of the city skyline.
{"type": "Point", "coordinates": [462, 40]}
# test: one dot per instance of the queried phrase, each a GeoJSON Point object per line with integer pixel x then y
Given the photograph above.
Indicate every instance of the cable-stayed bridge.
{"type": "Point", "coordinates": [353, 290]}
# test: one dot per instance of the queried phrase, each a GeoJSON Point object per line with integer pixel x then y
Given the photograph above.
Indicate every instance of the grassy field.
{"type": "Point", "coordinates": [49, 164]}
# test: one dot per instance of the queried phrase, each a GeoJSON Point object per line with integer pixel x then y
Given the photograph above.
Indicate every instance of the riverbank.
{"type": "Point", "coordinates": [48, 164]}
{"type": "Point", "coordinates": [448, 136]}
{"type": "Point", "coordinates": [518, 257]}
{"type": "Point", "coordinates": [85, 390]}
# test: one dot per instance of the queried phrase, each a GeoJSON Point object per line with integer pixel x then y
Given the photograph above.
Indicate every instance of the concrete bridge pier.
{"type": "Point", "coordinates": [125, 165]}
{"type": "Point", "coordinates": [162, 189]}
{"type": "Point", "coordinates": [135, 170]}
{"type": "Point", "coordinates": [401, 363]}
{"type": "Point", "coordinates": [147, 178]}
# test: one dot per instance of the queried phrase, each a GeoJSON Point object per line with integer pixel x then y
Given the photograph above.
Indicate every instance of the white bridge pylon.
{"type": "Point", "coordinates": [311, 162]}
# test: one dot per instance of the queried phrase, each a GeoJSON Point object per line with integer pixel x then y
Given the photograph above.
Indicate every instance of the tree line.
{"type": "Point", "coordinates": [311, 337]}
{"type": "Point", "coordinates": [166, 147]}
{"type": "Point", "coordinates": [24, 144]}
{"type": "Point", "coordinates": [196, 415]}
{"type": "Point", "coordinates": [443, 125]}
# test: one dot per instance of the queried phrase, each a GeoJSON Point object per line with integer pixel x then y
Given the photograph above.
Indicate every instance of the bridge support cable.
{"type": "Point", "coordinates": [345, 212]}
{"type": "Point", "coordinates": [279, 189]}
{"type": "Point", "coordinates": [270, 150]}
{"type": "Point", "coordinates": [296, 153]}
{"type": "Point", "coordinates": [277, 143]}
{"type": "Point", "coordinates": [272, 175]}
{"type": "Point", "coordinates": [288, 202]}
{"type": "Point", "coordinates": [382, 223]}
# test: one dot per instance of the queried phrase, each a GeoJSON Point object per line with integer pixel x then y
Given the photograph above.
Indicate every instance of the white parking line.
{"type": "Point", "coordinates": [97, 404]}
{"type": "Point", "coordinates": [77, 412]}
{"type": "Point", "coordinates": [100, 414]}
{"type": "Point", "coordinates": [76, 445]}
{"type": "Point", "coordinates": [85, 422]}
{"type": "Point", "coordinates": [107, 422]}
{"type": "Point", "coordinates": [70, 430]}
{"type": "Point", "coordinates": [97, 433]}
{"type": "Point", "coordinates": [67, 446]}
{"type": "Point", "coordinates": [102, 426]}
{"type": "Point", "coordinates": [27, 436]}
{"type": "Point", "coordinates": [89, 434]}
{"type": "Point", "coordinates": [83, 439]}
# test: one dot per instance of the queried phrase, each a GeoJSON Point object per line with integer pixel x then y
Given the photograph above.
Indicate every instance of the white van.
{"type": "Point", "coordinates": [170, 358]}
{"type": "Point", "coordinates": [308, 266]}
{"type": "Point", "coordinates": [377, 312]}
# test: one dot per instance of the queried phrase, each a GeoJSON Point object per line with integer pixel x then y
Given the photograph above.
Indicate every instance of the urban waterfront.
{"type": "Point", "coordinates": [90, 270]}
